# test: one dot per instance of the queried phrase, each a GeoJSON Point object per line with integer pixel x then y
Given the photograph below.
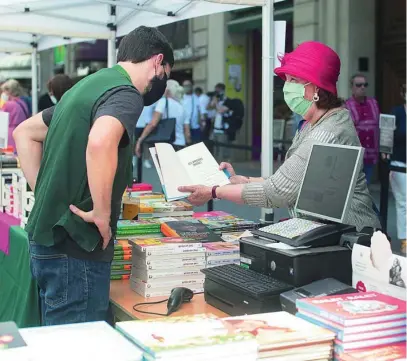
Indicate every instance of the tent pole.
{"type": "Point", "coordinates": [111, 43]}
{"type": "Point", "coordinates": [267, 98]}
{"type": "Point", "coordinates": [34, 76]}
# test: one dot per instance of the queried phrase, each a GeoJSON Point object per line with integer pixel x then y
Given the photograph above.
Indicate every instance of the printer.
{"type": "Point", "coordinates": [305, 248]}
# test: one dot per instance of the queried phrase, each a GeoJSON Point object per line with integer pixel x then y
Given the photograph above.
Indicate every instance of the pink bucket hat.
{"type": "Point", "coordinates": [314, 62]}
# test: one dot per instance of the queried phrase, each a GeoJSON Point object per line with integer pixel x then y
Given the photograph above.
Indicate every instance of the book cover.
{"type": "Point", "coordinates": [221, 249]}
{"type": "Point", "coordinates": [355, 308]}
{"type": "Point", "coordinates": [186, 336]}
{"type": "Point", "coordinates": [192, 229]}
{"type": "Point", "coordinates": [278, 329]}
{"type": "Point", "coordinates": [146, 274]}
{"type": "Point", "coordinates": [211, 214]}
{"type": "Point", "coordinates": [341, 347]}
{"type": "Point", "coordinates": [396, 352]}
{"type": "Point", "coordinates": [166, 245]}
{"type": "Point", "coordinates": [349, 330]}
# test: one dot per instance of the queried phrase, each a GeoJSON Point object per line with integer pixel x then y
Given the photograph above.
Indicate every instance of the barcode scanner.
{"type": "Point", "coordinates": [179, 295]}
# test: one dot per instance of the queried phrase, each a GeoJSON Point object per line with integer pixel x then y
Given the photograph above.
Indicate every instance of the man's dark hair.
{"type": "Point", "coordinates": [357, 75]}
{"type": "Point", "coordinates": [220, 86]}
{"type": "Point", "coordinates": [143, 43]}
{"type": "Point", "coordinates": [198, 90]}
{"type": "Point", "coordinates": [59, 84]}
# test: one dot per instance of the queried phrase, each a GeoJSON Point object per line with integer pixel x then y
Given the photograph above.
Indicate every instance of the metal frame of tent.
{"type": "Point", "coordinates": [58, 27]}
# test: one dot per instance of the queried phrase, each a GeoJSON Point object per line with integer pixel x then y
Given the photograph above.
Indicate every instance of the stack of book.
{"type": "Point", "coordinates": [282, 336]}
{"type": "Point", "coordinates": [227, 223]}
{"type": "Point", "coordinates": [164, 209]}
{"type": "Point", "coordinates": [199, 338]}
{"type": "Point", "coordinates": [131, 204]}
{"type": "Point", "coordinates": [396, 352]}
{"type": "Point", "coordinates": [221, 253]}
{"type": "Point", "coordinates": [161, 264]}
{"type": "Point", "coordinates": [121, 264]}
{"type": "Point", "coordinates": [188, 229]}
{"type": "Point", "coordinates": [139, 189]}
{"type": "Point", "coordinates": [127, 229]}
{"type": "Point", "coordinates": [360, 320]}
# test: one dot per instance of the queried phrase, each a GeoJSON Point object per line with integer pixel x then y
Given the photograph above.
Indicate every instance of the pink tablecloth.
{"type": "Point", "coordinates": [5, 222]}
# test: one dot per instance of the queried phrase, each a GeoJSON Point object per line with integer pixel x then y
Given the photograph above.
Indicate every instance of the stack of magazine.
{"type": "Point", "coordinates": [161, 264]}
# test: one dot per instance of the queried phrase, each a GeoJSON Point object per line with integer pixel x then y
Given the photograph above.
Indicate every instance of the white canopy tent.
{"type": "Point", "coordinates": [67, 20]}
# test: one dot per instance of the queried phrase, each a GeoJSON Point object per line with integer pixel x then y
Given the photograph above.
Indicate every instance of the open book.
{"type": "Point", "coordinates": [193, 165]}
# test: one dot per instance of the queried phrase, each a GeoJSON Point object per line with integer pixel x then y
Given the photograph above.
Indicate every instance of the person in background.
{"type": "Point", "coordinates": [365, 115]}
{"type": "Point", "coordinates": [58, 86]}
{"type": "Point", "coordinates": [169, 107]}
{"type": "Point", "coordinates": [79, 175]}
{"type": "Point", "coordinates": [143, 120]}
{"type": "Point", "coordinates": [310, 73]}
{"type": "Point", "coordinates": [190, 102]}
{"type": "Point", "coordinates": [398, 159]}
{"type": "Point", "coordinates": [45, 101]}
{"type": "Point", "coordinates": [11, 92]}
{"type": "Point", "coordinates": [206, 122]}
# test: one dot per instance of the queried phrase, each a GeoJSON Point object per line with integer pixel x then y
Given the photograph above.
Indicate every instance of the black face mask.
{"type": "Point", "coordinates": [157, 90]}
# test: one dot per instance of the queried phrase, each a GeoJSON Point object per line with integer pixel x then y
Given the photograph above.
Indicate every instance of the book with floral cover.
{"type": "Point", "coordinates": [187, 336]}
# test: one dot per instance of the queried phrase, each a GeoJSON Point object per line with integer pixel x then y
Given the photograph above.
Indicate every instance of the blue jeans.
{"type": "Point", "coordinates": [368, 170]}
{"type": "Point", "coordinates": [71, 290]}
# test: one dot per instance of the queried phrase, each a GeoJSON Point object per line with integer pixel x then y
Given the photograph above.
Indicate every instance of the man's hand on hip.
{"type": "Point", "coordinates": [101, 221]}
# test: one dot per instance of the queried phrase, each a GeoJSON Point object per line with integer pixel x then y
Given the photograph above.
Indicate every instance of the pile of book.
{"type": "Point", "coordinates": [188, 229]}
{"type": "Point", "coordinates": [221, 253]}
{"type": "Point", "coordinates": [158, 209]}
{"type": "Point", "coordinates": [267, 337]}
{"type": "Point", "coordinates": [226, 223]}
{"type": "Point", "coordinates": [394, 352]}
{"type": "Point", "coordinates": [132, 200]}
{"type": "Point", "coordinates": [127, 229]}
{"type": "Point", "coordinates": [161, 264]}
{"type": "Point", "coordinates": [121, 264]}
{"type": "Point", "coordinates": [198, 337]}
{"type": "Point", "coordinates": [359, 320]}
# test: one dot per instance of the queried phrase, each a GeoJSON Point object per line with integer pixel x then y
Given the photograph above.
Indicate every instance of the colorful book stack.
{"type": "Point", "coordinates": [282, 336]}
{"type": "Point", "coordinates": [131, 204]}
{"type": "Point", "coordinates": [221, 253]}
{"type": "Point", "coordinates": [164, 209]}
{"type": "Point", "coordinates": [188, 229]}
{"type": "Point", "coordinates": [138, 189]}
{"type": "Point", "coordinates": [228, 223]}
{"type": "Point", "coordinates": [121, 264]}
{"type": "Point", "coordinates": [127, 229]}
{"type": "Point", "coordinates": [161, 264]}
{"type": "Point", "coordinates": [197, 338]}
{"type": "Point", "coordinates": [360, 320]}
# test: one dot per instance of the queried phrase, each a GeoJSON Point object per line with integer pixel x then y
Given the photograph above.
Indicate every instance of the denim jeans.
{"type": "Point", "coordinates": [71, 290]}
{"type": "Point", "coordinates": [368, 169]}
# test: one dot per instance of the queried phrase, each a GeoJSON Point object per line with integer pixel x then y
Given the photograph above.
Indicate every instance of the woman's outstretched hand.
{"type": "Point", "coordinates": [199, 194]}
{"type": "Point", "coordinates": [233, 177]}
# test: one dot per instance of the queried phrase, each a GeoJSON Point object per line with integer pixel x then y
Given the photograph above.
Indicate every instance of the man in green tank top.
{"type": "Point", "coordinates": [77, 157]}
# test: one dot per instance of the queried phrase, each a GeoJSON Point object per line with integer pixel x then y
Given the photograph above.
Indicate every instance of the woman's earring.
{"type": "Point", "coordinates": [315, 98]}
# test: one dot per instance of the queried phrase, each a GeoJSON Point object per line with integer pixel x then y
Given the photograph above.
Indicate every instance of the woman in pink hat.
{"type": "Point", "coordinates": [310, 73]}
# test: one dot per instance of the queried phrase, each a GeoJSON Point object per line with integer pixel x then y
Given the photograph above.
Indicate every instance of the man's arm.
{"type": "Point", "coordinates": [101, 161]}
{"type": "Point", "coordinates": [29, 137]}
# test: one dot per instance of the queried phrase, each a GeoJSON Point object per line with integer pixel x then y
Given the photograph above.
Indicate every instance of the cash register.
{"type": "Point", "coordinates": [293, 253]}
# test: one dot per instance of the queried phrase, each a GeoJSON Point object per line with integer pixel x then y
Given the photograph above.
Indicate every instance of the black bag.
{"type": "Point", "coordinates": [164, 132]}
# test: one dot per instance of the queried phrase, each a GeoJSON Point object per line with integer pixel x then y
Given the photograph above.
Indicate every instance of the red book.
{"type": "Point", "coordinates": [355, 308]}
